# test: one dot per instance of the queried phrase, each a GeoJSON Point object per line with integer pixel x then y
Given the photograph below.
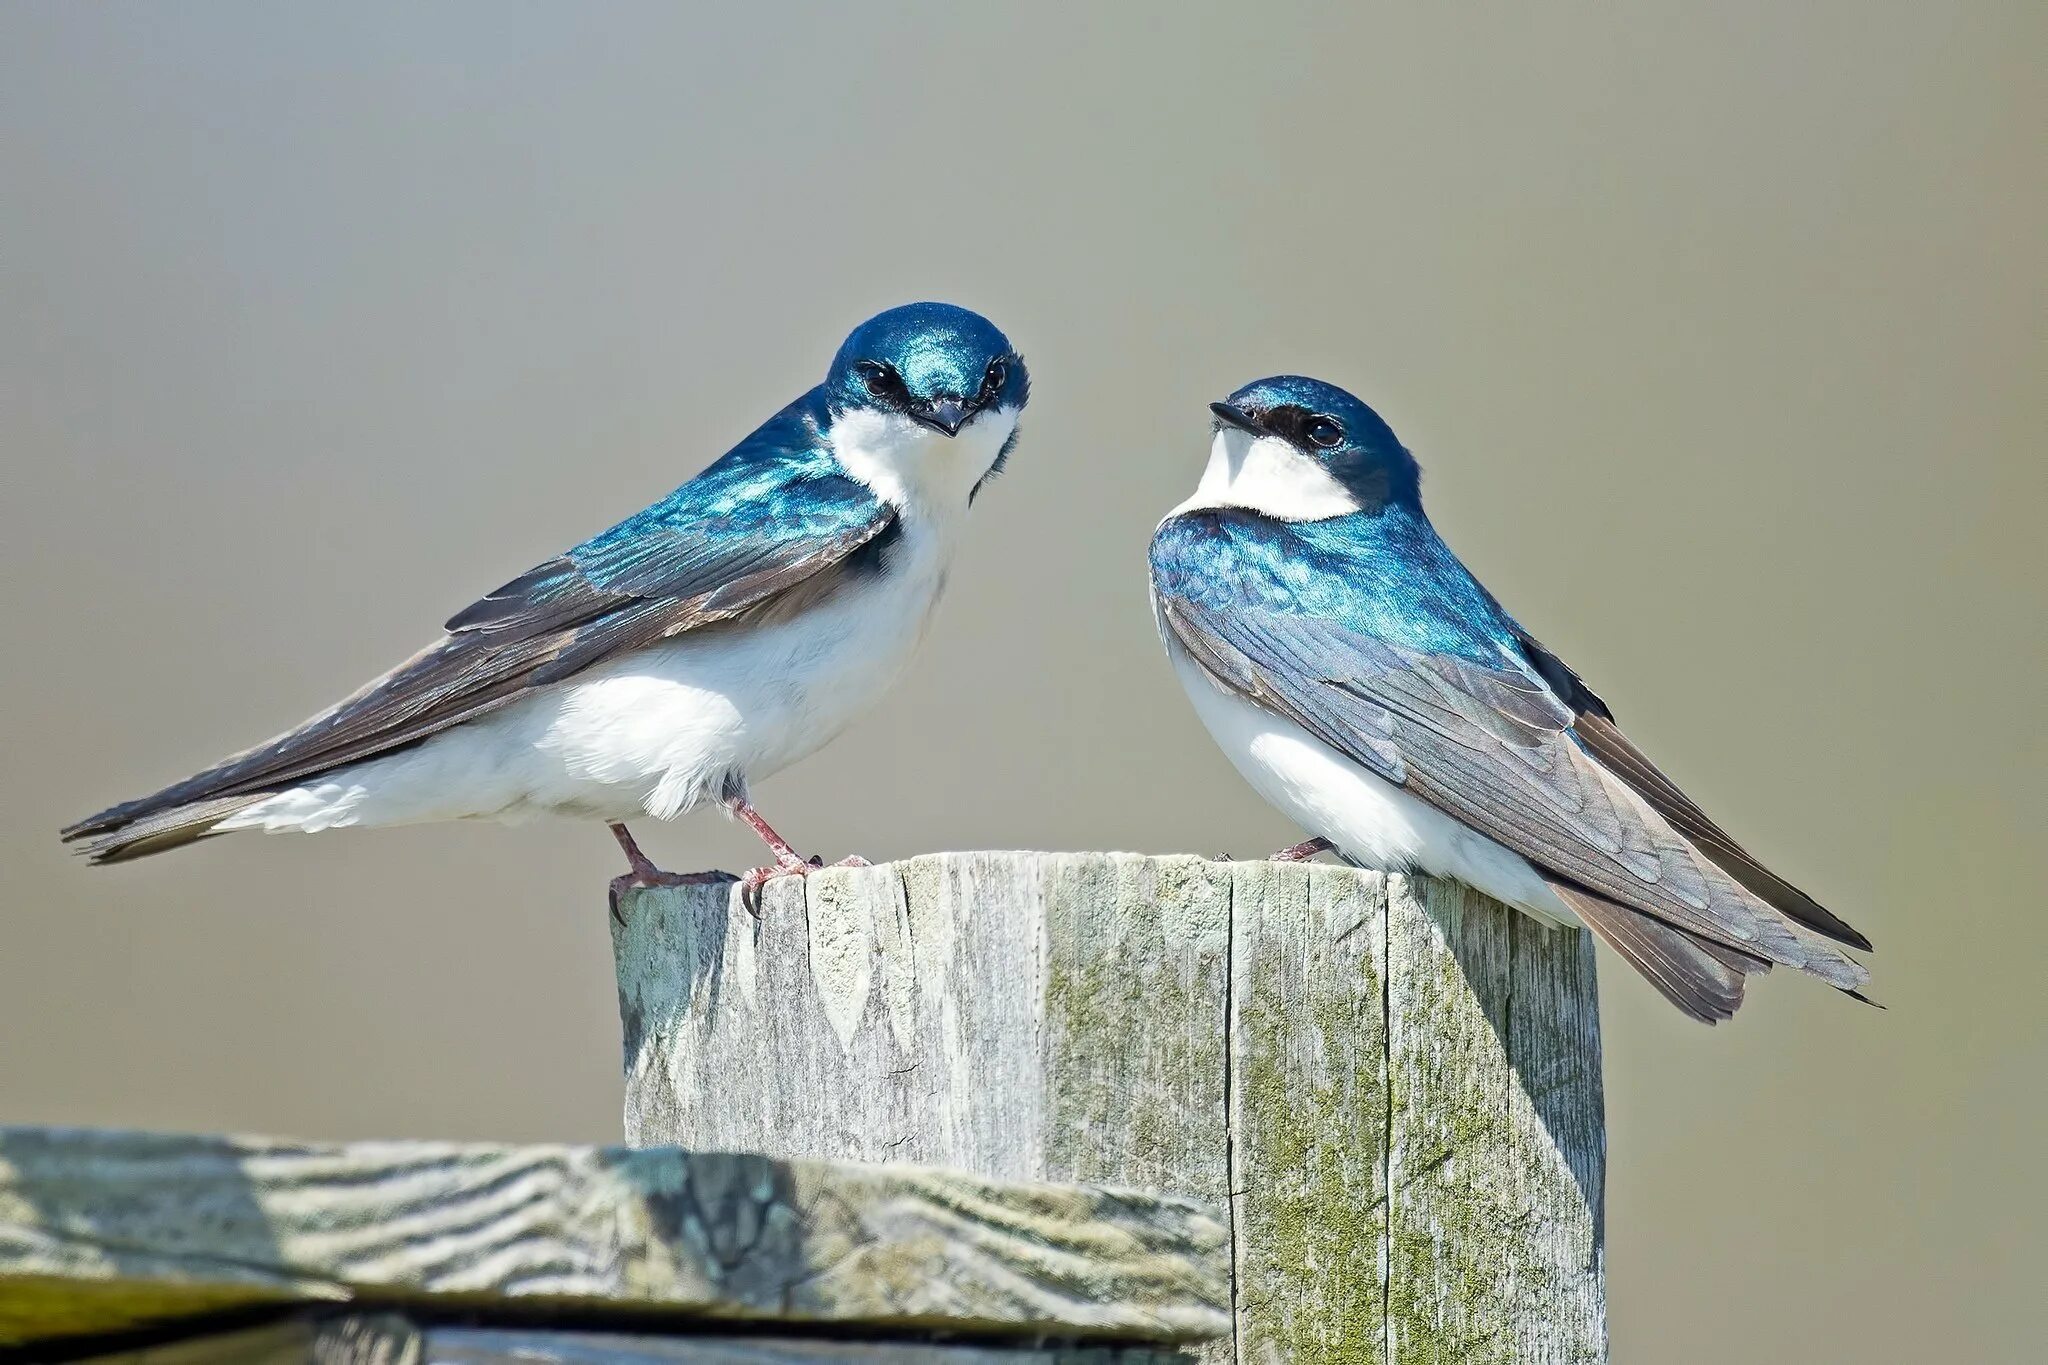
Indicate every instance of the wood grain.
{"type": "Point", "coordinates": [1495, 1146]}
{"type": "Point", "coordinates": [100, 1230]}
{"type": "Point", "coordinates": [388, 1339]}
{"type": "Point", "coordinates": [1395, 1083]}
{"type": "Point", "coordinates": [456, 1346]}
{"type": "Point", "coordinates": [914, 1013]}
{"type": "Point", "coordinates": [353, 1339]}
{"type": "Point", "coordinates": [1308, 1111]}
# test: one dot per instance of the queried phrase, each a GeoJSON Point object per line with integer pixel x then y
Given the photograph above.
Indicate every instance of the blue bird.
{"type": "Point", "coordinates": [1367, 686]}
{"type": "Point", "coordinates": [732, 628]}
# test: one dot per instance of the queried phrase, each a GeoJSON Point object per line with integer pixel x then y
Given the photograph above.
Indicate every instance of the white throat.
{"type": "Point", "coordinates": [1265, 474]}
{"type": "Point", "coordinates": [914, 468]}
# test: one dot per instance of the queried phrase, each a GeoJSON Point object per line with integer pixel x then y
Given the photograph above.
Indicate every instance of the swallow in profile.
{"type": "Point", "coordinates": [713, 638]}
{"type": "Point", "coordinates": [1368, 687]}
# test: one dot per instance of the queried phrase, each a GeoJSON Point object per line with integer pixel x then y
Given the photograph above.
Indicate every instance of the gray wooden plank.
{"type": "Point", "coordinates": [1134, 998]}
{"type": "Point", "coordinates": [1134, 1001]}
{"type": "Point", "coordinates": [1493, 1253]}
{"type": "Point", "coordinates": [966, 1008]}
{"type": "Point", "coordinates": [386, 1339]}
{"type": "Point", "coordinates": [367, 1339]}
{"type": "Point", "coordinates": [282, 1343]}
{"type": "Point", "coordinates": [472, 1346]}
{"type": "Point", "coordinates": [1560, 1149]}
{"type": "Point", "coordinates": [850, 1020]}
{"type": "Point", "coordinates": [1308, 1112]}
{"type": "Point", "coordinates": [101, 1229]}
{"type": "Point", "coordinates": [915, 1013]}
{"type": "Point", "coordinates": [355, 1339]}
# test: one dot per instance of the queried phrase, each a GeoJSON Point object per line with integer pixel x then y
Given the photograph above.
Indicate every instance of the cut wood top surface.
{"type": "Point", "coordinates": [105, 1230]}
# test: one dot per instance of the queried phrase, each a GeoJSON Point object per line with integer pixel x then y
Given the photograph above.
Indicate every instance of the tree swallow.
{"type": "Point", "coordinates": [1368, 687]}
{"type": "Point", "coordinates": [730, 629]}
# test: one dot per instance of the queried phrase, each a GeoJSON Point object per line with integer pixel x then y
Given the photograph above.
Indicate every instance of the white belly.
{"type": "Point", "coordinates": [696, 718]}
{"type": "Point", "coordinates": [1369, 819]}
{"type": "Point", "coordinates": [651, 733]}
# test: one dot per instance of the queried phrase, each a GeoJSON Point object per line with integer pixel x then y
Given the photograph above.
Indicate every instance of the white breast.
{"type": "Point", "coordinates": [1267, 475]}
{"type": "Point", "coordinates": [663, 729]}
{"type": "Point", "coordinates": [670, 727]}
{"type": "Point", "coordinates": [1368, 818]}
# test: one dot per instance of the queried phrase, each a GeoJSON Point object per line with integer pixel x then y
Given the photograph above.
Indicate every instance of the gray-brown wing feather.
{"type": "Point", "coordinates": [1594, 724]}
{"type": "Point", "coordinates": [1494, 749]}
{"type": "Point", "coordinates": [1703, 978]}
{"type": "Point", "coordinates": [518, 638]}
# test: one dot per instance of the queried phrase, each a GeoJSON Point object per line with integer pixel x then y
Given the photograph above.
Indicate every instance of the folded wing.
{"type": "Point", "coordinates": [762, 521]}
{"type": "Point", "coordinates": [1498, 748]}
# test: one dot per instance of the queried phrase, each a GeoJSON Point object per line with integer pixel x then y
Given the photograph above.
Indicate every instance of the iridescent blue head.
{"type": "Point", "coordinates": [1327, 447]}
{"type": "Point", "coordinates": [936, 364]}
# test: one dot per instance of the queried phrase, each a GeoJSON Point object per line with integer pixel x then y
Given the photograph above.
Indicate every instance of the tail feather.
{"type": "Point", "coordinates": [1620, 755]}
{"type": "Point", "coordinates": [106, 838]}
{"type": "Point", "coordinates": [1702, 978]}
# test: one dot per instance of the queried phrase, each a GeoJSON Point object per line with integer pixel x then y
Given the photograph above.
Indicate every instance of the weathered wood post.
{"type": "Point", "coordinates": [1392, 1083]}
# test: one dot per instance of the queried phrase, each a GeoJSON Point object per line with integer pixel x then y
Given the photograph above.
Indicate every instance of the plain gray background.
{"type": "Point", "coordinates": [1718, 331]}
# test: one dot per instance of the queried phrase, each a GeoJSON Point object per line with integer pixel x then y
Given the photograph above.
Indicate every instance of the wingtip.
{"type": "Point", "coordinates": [79, 829]}
{"type": "Point", "coordinates": [96, 847]}
{"type": "Point", "coordinates": [80, 837]}
{"type": "Point", "coordinates": [101, 841]}
{"type": "Point", "coordinates": [91, 833]}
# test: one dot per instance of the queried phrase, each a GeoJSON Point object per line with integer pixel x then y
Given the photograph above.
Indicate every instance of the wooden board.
{"type": "Point", "coordinates": [1394, 1083]}
{"type": "Point", "coordinates": [1495, 1150]}
{"type": "Point", "coordinates": [912, 1012]}
{"type": "Point", "coordinates": [389, 1339]}
{"type": "Point", "coordinates": [1309, 1112]}
{"type": "Point", "coordinates": [354, 1339]}
{"type": "Point", "coordinates": [457, 1346]}
{"type": "Point", "coordinates": [101, 1230]}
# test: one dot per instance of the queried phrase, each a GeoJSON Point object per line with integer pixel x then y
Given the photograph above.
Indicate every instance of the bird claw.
{"type": "Point", "coordinates": [754, 881]}
{"type": "Point", "coordinates": [1301, 852]}
{"type": "Point", "coordinates": [644, 873]}
{"type": "Point", "coordinates": [642, 878]}
{"type": "Point", "coordinates": [1293, 853]}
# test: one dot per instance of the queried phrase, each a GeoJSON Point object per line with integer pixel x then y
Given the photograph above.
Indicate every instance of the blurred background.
{"type": "Point", "coordinates": [1719, 331]}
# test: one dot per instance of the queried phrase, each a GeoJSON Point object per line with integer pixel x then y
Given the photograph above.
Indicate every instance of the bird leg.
{"type": "Point", "coordinates": [1301, 852]}
{"type": "Point", "coordinates": [788, 862]}
{"type": "Point", "coordinates": [645, 873]}
{"type": "Point", "coordinates": [787, 859]}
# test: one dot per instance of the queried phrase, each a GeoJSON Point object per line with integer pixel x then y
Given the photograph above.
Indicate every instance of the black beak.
{"type": "Point", "coordinates": [943, 414]}
{"type": "Point", "coordinates": [1228, 416]}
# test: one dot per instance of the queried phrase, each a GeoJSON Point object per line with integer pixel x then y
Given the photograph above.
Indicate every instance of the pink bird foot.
{"type": "Point", "coordinates": [788, 862]}
{"type": "Point", "coordinates": [1293, 853]}
{"type": "Point", "coordinates": [644, 873]}
{"type": "Point", "coordinates": [754, 879]}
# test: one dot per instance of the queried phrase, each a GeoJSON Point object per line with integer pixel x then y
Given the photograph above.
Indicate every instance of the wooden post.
{"type": "Point", "coordinates": [1393, 1083]}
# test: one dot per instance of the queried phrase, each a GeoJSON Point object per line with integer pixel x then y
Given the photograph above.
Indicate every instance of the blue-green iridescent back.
{"type": "Point", "coordinates": [1384, 573]}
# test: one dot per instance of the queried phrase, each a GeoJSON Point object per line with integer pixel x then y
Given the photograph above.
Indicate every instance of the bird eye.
{"type": "Point", "coordinates": [992, 382]}
{"type": "Point", "coordinates": [1323, 431]}
{"type": "Point", "coordinates": [879, 380]}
